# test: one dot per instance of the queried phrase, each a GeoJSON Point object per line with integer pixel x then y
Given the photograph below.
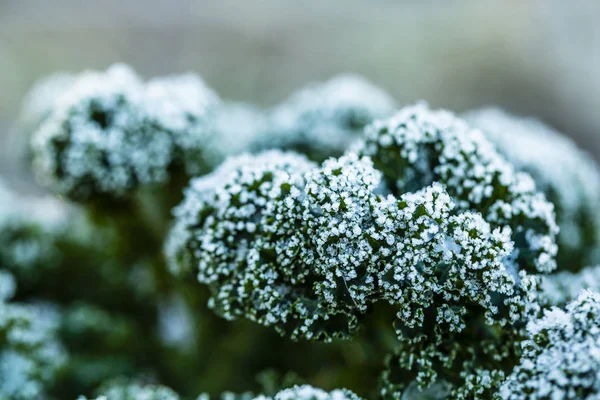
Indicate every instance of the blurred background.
{"type": "Point", "coordinates": [532, 57]}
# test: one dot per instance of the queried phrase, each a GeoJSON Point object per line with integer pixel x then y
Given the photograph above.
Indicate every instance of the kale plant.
{"type": "Point", "coordinates": [332, 247]}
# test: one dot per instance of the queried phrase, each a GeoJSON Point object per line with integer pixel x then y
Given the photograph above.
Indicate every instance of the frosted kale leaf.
{"type": "Point", "coordinates": [560, 288]}
{"type": "Point", "coordinates": [568, 176]}
{"type": "Point", "coordinates": [285, 243]}
{"type": "Point", "coordinates": [447, 363]}
{"type": "Point", "coordinates": [111, 133]}
{"type": "Point", "coordinates": [418, 146]}
{"type": "Point", "coordinates": [232, 229]}
{"type": "Point", "coordinates": [30, 354]}
{"type": "Point", "coordinates": [307, 392]}
{"type": "Point", "coordinates": [324, 119]}
{"type": "Point", "coordinates": [134, 391]}
{"type": "Point", "coordinates": [561, 358]}
{"type": "Point", "coordinates": [461, 280]}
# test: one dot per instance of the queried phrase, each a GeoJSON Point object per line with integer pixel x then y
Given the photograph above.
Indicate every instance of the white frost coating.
{"type": "Point", "coordinates": [110, 133]}
{"type": "Point", "coordinates": [561, 359]}
{"type": "Point", "coordinates": [563, 287]}
{"type": "Point", "coordinates": [30, 356]}
{"type": "Point", "coordinates": [307, 392]}
{"type": "Point", "coordinates": [418, 146]}
{"type": "Point", "coordinates": [324, 119]}
{"type": "Point", "coordinates": [568, 175]}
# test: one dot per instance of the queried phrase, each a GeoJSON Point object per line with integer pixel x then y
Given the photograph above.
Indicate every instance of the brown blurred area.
{"type": "Point", "coordinates": [539, 58]}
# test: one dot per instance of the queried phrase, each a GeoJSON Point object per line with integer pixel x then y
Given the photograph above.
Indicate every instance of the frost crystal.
{"type": "Point", "coordinates": [110, 133]}
{"type": "Point", "coordinates": [568, 175]}
{"type": "Point", "coordinates": [561, 359]}
{"type": "Point", "coordinates": [323, 120]}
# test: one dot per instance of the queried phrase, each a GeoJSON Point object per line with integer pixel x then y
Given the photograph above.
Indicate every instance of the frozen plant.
{"type": "Point", "coordinates": [327, 241]}
{"type": "Point", "coordinates": [311, 249]}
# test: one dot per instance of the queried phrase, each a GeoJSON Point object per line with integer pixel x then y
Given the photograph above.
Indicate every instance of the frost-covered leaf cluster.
{"type": "Point", "coordinates": [123, 390]}
{"type": "Point", "coordinates": [561, 358]}
{"type": "Point", "coordinates": [418, 146]}
{"type": "Point", "coordinates": [323, 120]}
{"type": "Point", "coordinates": [110, 132]}
{"type": "Point", "coordinates": [440, 227]}
{"type": "Point", "coordinates": [307, 392]}
{"type": "Point", "coordinates": [566, 174]}
{"type": "Point", "coordinates": [30, 354]}
{"type": "Point", "coordinates": [428, 243]}
{"type": "Point", "coordinates": [135, 391]}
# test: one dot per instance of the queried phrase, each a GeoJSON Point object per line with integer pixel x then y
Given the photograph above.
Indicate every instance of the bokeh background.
{"type": "Point", "coordinates": [532, 57]}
